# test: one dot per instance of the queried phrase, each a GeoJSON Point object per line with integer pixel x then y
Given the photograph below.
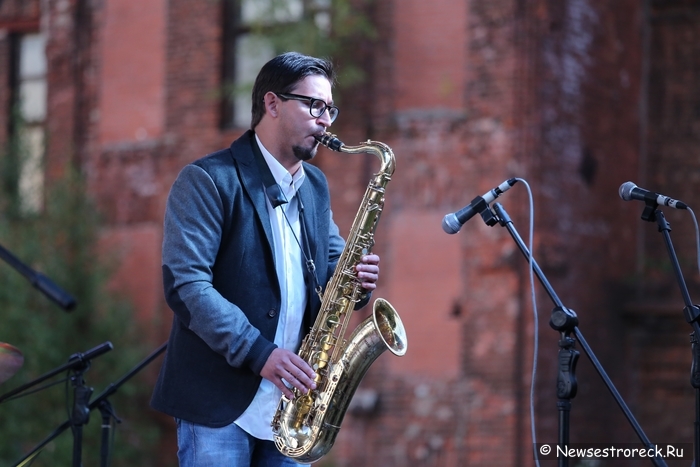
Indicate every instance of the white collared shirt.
{"type": "Point", "coordinates": [286, 236]}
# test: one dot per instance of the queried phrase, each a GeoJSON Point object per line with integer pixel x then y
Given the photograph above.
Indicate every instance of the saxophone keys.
{"type": "Point", "coordinates": [303, 404]}
{"type": "Point", "coordinates": [332, 321]}
{"type": "Point", "coordinates": [326, 342]}
{"type": "Point", "coordinates": [302, 407]}
{"type": "Point", "coordinates": [320, 360]}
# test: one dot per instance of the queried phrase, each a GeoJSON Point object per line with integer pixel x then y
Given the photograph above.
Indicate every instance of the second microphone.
{"type": "Point", "coordinates": [454, 221]}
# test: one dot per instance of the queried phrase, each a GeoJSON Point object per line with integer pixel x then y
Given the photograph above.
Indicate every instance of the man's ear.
{"type": "Point", "coordinates": [272, 104]}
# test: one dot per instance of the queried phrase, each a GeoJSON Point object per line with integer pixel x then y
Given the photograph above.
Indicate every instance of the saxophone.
{"type": "Point", "coordinates": [306, 426]}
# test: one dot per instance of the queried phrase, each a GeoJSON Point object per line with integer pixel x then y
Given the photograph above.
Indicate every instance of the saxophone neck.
{"type": "Point", "coordinates": [381, 150]}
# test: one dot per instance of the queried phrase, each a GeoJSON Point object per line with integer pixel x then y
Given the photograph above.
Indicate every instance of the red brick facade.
{"type": "Point", "coordinates": [575, 97]}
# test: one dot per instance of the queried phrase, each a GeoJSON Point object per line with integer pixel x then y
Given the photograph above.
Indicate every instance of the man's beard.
{"type": "Point", "coordinates": [305, 154]}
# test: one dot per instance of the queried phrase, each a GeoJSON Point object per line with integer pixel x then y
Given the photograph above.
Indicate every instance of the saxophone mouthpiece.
{"type": "Point", "coordinates": [330, 141]}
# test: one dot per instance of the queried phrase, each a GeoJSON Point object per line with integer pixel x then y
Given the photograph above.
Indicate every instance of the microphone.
{"type": "Point", "coordinates": [629, 191]}
{"type": "Point", "coordinates": [454, 221]}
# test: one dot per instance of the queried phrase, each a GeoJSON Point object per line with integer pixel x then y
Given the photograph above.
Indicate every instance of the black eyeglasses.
{"type": "Point", "coordinates": [316, 106]}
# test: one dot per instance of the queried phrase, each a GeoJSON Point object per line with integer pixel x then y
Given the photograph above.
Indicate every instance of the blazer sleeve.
{"type": "Point", "coordinates": [192, 235]}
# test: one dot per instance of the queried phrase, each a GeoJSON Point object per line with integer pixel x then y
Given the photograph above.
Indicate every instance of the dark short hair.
{"type": "Point", "coordinates": [281, 74]}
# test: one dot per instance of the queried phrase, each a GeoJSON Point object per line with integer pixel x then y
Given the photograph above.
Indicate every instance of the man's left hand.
{"type": "Point", "coordinates": [368, 271]}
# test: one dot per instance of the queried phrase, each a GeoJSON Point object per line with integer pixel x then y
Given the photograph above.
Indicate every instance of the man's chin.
{"type": "Point", "coordinates": [305, 154]}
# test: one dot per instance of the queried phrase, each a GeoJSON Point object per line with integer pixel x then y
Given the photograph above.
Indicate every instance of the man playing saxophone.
{"type": "Point", "coordinates": [248, 239]}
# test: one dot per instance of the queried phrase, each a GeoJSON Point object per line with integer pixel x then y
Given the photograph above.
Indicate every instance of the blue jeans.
{"type": "Point", "coordinates": [229, 446]}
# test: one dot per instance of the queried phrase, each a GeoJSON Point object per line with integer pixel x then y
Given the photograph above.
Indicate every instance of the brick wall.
{"type": "Point", "coordinates": [467, 94]}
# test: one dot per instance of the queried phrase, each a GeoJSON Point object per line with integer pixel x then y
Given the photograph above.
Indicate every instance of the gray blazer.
{"type": "Point", "coordinates": [220, 281]}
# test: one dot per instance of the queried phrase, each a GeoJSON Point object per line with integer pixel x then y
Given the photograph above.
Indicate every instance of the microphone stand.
{"type": "Point", "coordinates": [101, 403]}
{"type": "Point", "coordinates": [691, 313]}
{"type": "Point", "coordinates": [40, 281]}
{"type": "Point", "coordinates": [77, 363]}
{"type": "Point", "coordinates": [565, 321]}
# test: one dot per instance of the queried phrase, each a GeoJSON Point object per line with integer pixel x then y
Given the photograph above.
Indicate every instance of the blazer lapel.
{"type": "Point", "coordinates": [243, 150]}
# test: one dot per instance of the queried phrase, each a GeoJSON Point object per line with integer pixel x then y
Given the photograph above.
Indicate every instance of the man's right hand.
{"type": "Point", "coordinates": [285, 365]}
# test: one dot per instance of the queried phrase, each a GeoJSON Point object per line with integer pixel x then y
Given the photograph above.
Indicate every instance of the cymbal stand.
{"type": "Point", "coordinates": [565, 321]}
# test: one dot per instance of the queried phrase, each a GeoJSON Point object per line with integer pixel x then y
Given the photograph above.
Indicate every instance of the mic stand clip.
{"type": "Point", "coordinates": [565, 321]}
{"type": "Point", "coordinates": [483, 209]}
{"type": "Point", "coordinates": [80, 414]}
{"type": "Point", "coordinates": [649, 213]}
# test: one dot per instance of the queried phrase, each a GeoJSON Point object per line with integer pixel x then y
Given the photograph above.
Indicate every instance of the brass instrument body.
{"type": "Point", "coordinates": [305, 428]}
